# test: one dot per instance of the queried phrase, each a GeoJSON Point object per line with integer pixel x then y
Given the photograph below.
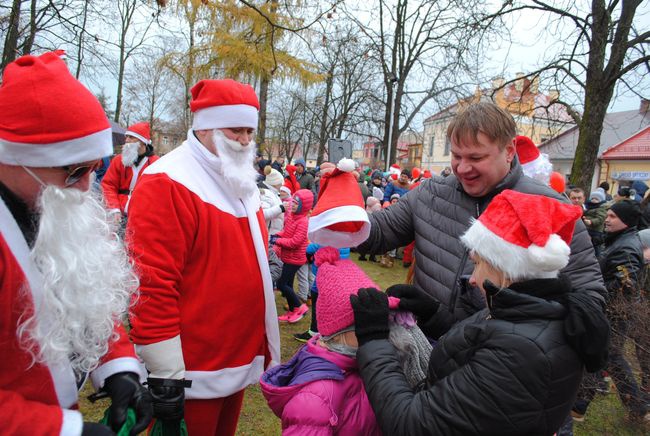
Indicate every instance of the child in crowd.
{"type": "Point", "coordinates": [319, 390]}
{"type": "Point", "coordinates": [388, 259]}
{"type": "Point", "coordinates": [292, 244]}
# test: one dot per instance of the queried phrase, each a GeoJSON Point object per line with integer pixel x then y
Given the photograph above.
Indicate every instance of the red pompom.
{"type": "Point", "coordinates": [326, 255]}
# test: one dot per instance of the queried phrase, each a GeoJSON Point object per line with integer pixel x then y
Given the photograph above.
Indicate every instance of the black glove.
{"type": "Point", "coordinates": [125, 391]}
{"type": "Point", "coordinates": [95, 429]}
{"type": "Point", "coordinates": [282, 208]}
{"type": "Point", "coordinates": [273, 238]}
{"type": "Point", "coordinates": [168, 398]}
{"type": "Point", "coordinates": [370, 308]}
{"type": "Point", "coordinates": [416, 301]}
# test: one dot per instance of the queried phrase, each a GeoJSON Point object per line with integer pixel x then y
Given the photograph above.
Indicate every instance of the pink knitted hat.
{"type": "Point", "coordinates": [336, 280]}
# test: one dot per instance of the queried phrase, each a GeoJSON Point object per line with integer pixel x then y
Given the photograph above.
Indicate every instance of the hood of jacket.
{"type": "Point", "coordinates": [311, 363]}
{"type": "Point", "coordinates": [305, 200]}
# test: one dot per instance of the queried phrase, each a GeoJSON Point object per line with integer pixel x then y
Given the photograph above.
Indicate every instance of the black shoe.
{"type": "Point", "coordinates": [362, 258]}
{"type": "Point", "coordinates": [304, 336]}
{"type": "Point", "coordinates": [373, 259]}
{"type": "Point", "coordinates": [406, 264]}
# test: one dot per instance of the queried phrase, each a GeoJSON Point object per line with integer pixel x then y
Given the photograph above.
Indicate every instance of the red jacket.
{"type": "Point", "coordinates": [38, 399]}
{"type": "Point", "coordinates": [118, 182]}
{"type": "Point", "coordinates": [205, 284]}
{"type": "Point", "coordinates": [293, 238]}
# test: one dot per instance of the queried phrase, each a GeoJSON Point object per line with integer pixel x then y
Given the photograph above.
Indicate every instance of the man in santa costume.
{"type": "Point", "coordinates": [122, 174]}
{"type": "Point", "coordinates": [65, 280]}
{"type": "Point", "coordinates": [206, 311]}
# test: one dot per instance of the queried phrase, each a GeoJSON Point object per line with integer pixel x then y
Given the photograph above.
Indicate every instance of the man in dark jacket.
{"type": "Point", "coordinates": [438, 211]}
{"type": "Point", "coordinates": [621, 262]}
{"type": "Point", "coordinates": [305, 179]}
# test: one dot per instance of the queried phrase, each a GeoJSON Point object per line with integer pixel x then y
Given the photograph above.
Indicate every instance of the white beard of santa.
{"type": "Point", "coordinates": [88, 281]}
{"type": "Point", "coordinates": [237, 164]}
{"type": "Point", "coordinates": [130, 153]}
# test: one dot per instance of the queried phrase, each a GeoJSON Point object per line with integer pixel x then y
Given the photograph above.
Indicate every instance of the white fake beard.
{"type": "Point", "coordinates": [88, 281]}
{"type": "Point", "coordinates": [130, 153]}
{"type": "Point", "coordinates": [237, 164]}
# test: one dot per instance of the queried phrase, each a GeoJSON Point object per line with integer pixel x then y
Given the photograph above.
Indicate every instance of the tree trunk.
{"type": "Point", "coordinates": [261, 129]}
{"type": "Point", "coordinates": [322, 137]}
{"type": "Point", "coordinates": [11, 40]}
{"type": "Point", "coordinates": [28, 43]}
{"type": "Point", "coordinates": [120, 84]}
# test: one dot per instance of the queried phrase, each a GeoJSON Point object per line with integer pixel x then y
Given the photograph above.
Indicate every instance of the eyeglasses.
{"type": "Point", "coordinates": [77, 173]}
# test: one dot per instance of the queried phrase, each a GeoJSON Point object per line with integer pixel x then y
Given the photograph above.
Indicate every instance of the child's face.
{"type": "Point", "coordinates": [484, 271]}
{"type": "Point", "coordinates": [394, 200]}
{"type": "Point", "coordinates": [294, 206]}
{"type": "Point", "coordinates": [284, 196]}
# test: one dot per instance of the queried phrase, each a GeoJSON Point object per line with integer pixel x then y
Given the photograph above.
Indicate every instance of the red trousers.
{"type": "Point", "coordinates": [214, 417]}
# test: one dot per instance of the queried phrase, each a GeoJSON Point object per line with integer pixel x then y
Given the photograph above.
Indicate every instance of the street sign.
{"type": "Point", "coordinates": [631, 175]}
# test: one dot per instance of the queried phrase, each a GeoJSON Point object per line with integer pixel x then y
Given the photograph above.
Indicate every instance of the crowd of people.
{"type": "Point", "coordinates": [520, 295]}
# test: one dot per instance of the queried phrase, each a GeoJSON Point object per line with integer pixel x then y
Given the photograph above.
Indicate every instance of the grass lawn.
{"type": "Point", "coordinates": [606, 415]}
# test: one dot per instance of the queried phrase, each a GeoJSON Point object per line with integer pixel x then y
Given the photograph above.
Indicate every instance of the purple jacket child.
{"type": "Point", "coordinates": [319, 392]}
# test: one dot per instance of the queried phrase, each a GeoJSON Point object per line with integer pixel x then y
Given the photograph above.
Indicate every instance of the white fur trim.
{"type": "Point", "coordinates": [217, 117]}
{"type": "Point", "coordinates": [138, 136]}
{"type": "Point", "coordinates": [63, 377]}
{"type": "Point", "coordinates": [539, 169]}
{"type": "Point", "coordinates": [320, 234]}
{"type": "Point", "coordinates": [224, 382]}
{"type": "Point", "coordinates": [87, 148]}
{"type": "Point", "coordinates": [517, 262]}
{"type": "Point", "coordinates": [72, 424]}
{"type": "Point", "coordinates": [163, 359]}
{"type": "Point", "coordinates": [114, 366]}
{"type": "Point", "coordinates": [346, 165]}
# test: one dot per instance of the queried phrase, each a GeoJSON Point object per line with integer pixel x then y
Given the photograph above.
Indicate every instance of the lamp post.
{"type": "Point", "coordinates": [393, 81]}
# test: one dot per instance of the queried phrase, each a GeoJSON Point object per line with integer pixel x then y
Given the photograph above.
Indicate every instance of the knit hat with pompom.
{"type": "Point", "coordinates": [336, 280]}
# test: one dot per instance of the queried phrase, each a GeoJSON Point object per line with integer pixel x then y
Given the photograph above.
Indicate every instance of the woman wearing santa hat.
{"type": "Point", "coordinates": [512, 368]}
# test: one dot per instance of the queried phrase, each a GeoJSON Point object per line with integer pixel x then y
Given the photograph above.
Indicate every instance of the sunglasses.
{"type": "Point", "coordinates": [76, 173]}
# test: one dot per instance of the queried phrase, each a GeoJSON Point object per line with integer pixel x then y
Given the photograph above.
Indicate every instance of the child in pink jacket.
{"type": "Point", "coordinates": [292, 242]}
{"type": "Point", "coordinates": [319, 391]}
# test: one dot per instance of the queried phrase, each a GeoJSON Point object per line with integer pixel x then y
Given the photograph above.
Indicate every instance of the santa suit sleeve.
{"type": "Point", "coordinates": [297, 238]}
{"type": "Point", "coordinates": [162, 220]}
{"type": "Point", "coordinates": [111, 185]}
{"type": "Point", "coordinates": [121, 357]}
{"type": "Point", "coordinates": [21, 416]}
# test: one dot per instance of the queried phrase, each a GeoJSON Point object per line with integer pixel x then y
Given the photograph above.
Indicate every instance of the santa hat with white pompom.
{"type": "Point", "coordinates": [526, 236]}
{"type": "Point", "coordinates": [339, 219]}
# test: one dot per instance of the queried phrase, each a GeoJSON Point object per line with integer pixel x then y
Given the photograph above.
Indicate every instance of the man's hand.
{"type": "Point", "coordinates": [168, 398]}
{"type": "Point", "coordinates": [416, 301]}
{"type": "Point", "coordinates": [125, 391]}
{"type": "Point", "coordinates": [370, 308]}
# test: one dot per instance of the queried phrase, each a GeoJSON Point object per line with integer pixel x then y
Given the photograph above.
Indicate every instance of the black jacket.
{"type": "Point", "coordinates": [437, 213]}
{"type": "Point", "coordinates": [621, 261]}
{"type": "Point", "coordinates": [505, 370]}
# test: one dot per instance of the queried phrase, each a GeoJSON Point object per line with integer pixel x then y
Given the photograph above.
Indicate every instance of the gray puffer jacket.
{"type": "Point", "coordinates": [436, 214]}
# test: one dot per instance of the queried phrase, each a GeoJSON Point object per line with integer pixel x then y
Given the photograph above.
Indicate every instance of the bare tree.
{"type": "Point", "coordinates": [423, 50]}
{"type": "Point", "coordinates": [604, 46]}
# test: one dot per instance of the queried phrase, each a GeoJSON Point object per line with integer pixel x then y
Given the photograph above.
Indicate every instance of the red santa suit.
{"type": "Point", "coordinates": [38, 399]}
{"type": "Point", "coordinates": [206, 308]}
{"type": "Point", "coordinates": [119, 181]}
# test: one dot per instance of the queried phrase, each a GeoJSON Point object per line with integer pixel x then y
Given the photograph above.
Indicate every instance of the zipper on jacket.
{"type": "Point", "coordinates": [463, 260]}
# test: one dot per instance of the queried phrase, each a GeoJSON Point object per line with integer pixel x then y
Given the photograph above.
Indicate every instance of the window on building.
{"type": "Point", "coordinates": [165, 140]}
{"type": "Point", "coordinates": [447, 147]}
{"type": "Point", "coordinates": [433, 140]}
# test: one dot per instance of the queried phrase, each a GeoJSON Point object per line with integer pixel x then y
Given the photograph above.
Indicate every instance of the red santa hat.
{"type": "Point", "coordinates": [394, 171]}
{"type": "Point", "coordinates": [141, 131]}
{"type": "Point", "coordinates": [535, 164]}
{"type": "Point", "coordinates": [223, 103]}
{"type": "Point", "coordinates": [339, 219]}
{"type": "Point", "coordinates": [526, 236]}
{"type": "Point", "coordinates": [47, 117]}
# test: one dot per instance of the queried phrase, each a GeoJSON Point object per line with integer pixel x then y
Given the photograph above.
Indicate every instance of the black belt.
{"type": "Point", "coordinates": [124, 191]}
